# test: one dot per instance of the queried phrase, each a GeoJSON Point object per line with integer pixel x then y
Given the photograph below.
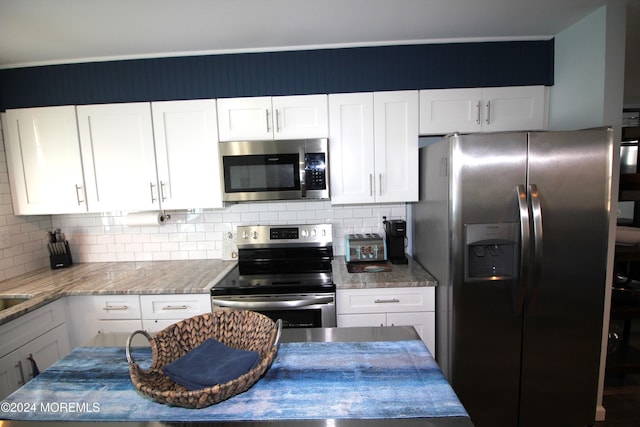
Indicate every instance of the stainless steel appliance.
{"type": "Point", "coordinates": [275, 170]}
{"type": "Point", "coordinates": [365, 247]}
{"type": "Point", "coordinates": [515, 226]}
{"type": "Point", "coordinates": [284, 272]}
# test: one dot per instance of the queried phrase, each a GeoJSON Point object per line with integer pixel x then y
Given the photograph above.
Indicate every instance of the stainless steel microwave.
{"type": "Point", "coordinates": [275, 170]}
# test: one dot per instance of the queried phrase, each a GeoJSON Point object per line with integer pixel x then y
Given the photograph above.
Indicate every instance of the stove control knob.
{"type": "Point", "coordinates": [314, 233]}
{"type": "Point", "coordinates": [305, 233]}
{"type": "Point", "coordinates": [254, 235]}
{"type": "Point", "coordinates": [245, 234]}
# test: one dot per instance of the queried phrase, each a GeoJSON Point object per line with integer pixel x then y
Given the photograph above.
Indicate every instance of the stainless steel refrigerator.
{"type": "Point", "coordinates": [514, 226]}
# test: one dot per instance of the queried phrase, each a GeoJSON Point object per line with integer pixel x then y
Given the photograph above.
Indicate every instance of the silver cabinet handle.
{"type": "Point", "coordinates": [19, 367]}
{"type": "Point", "coordinates": [175, 307]}
{"type": "Point", "coordinates": [78, 192]}
{"type": "Point", "coordinates": [151, 185]}
{"type": "Point", "coordinates": [277, 120]}
{"type": "Point", "coordinates": [380, 182]}
{"type": "Point", "coordinates": [162, 196]}
{"type": "Point", "coordinates": [488, 112]}
{"type": "Point", "coordinates": [371, 184]}
{"type": "Point", "coordinates": [387, 301]}
{"type": "Point", "coordinates": [268, 124]}
{"type": "Point", "coordinates": [478, 112]}
{"type": "Point", "coordinates": [115, 307]}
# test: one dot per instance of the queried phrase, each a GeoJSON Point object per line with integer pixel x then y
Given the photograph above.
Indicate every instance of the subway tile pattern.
{"type": "Point", "coordinates": [198, 234]}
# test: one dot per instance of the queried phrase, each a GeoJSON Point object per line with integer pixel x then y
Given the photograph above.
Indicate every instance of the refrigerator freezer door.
{"type": "Point", "coordinates": [486, 324]}
{"type": "Point", "coordinates": [563, 323]}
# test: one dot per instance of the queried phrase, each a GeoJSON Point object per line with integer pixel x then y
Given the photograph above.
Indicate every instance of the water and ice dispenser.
{"type": "Point", "coordinates": [491, 251]}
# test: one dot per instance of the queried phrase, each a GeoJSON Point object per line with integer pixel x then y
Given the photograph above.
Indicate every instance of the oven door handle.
{"type": "Point", "coordinates": [257, 304]}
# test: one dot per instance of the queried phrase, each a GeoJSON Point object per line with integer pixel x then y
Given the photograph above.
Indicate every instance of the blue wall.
{"type": "Point", "coordinates": [362, 69]}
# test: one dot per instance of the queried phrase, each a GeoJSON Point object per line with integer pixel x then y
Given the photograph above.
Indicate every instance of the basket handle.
{"type": "Point", "coordinates": [128, 345]}
{"type": "Point", "coordinates": [278, 327]}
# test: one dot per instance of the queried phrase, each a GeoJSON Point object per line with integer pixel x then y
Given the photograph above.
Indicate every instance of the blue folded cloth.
{"type": "Point", "coordinates": [209, 364]}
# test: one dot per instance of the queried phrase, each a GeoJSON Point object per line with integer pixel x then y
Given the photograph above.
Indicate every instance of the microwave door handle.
{"type": "Point", "coordinates": [303, 173]}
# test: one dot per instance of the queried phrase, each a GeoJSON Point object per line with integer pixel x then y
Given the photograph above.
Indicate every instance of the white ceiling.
{"type": "Point", "coordinates": [38, 32]}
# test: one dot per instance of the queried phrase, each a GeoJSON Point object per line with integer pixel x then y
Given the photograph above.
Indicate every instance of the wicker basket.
{"type": "Point", "coordinates": [240, 329]}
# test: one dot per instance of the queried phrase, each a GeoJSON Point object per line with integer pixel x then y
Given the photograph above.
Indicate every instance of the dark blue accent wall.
{"type": "Point", "coordinates": [426, 66]}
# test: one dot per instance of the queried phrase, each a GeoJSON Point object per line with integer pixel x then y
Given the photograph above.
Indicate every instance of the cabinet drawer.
{"type": "Point", "coordinates": [385, 300]}
{"type": "Point", "coordinates": [174, 306]}
{"type": "Point", "coordinates": [117, 307]}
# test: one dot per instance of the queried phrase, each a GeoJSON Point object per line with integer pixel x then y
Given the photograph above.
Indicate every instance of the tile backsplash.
{"type": "Point", "coordinates": [198, 234]}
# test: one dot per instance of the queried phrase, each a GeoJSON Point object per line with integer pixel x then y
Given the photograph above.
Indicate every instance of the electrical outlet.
{"type": "Point", "coordinates": [5, 238]}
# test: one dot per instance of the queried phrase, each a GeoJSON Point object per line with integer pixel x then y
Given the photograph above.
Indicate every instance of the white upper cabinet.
{"type": "Point", "coordinates": [374, 147]}
{"type": "Point", "coordinates": [186, 141]}
{"type": "Point", "coordinates": [496, 109]}
{"type": "Point", "coordinates": [118, 157]}
{"type": "Point", "coordinates": [43, 156]}
{"type": "Point", "coordinates": [395, 116]}
{"type": "Point", "coordinates": [280, 117]}
{"type": "Point", "coordinates": [351, 153]}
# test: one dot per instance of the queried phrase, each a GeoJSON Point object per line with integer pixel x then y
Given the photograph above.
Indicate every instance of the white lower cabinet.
{"type": "Point", "coordinates": [95, 314]}
{"type": "Point", "coordinates": [389, 307]}
{"type": "Point", "coordinates": [160, 311]}
{"type": "Point", "coordinates": [39, 336]}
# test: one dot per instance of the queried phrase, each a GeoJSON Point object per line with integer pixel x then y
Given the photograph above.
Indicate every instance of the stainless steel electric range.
{"type": "Point", "coordinates": [284, 272]}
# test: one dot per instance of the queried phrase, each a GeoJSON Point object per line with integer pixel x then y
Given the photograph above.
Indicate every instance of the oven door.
{"type": "Point", "coordinates": [295, 310]}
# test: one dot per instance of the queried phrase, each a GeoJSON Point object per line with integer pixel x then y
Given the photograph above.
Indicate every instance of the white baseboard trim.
{"type": "Point", "coordinates": [600, 413]}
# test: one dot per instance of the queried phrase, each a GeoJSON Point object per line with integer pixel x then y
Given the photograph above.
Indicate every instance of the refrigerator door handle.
{"type": "Point", "coordinates": [536, 211]}
{"type": "Point", "coordinates": [525, 245]}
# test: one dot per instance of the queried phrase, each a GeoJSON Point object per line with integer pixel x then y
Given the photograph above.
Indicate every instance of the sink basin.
{"type": "Point", "coordinates": [8, 302]}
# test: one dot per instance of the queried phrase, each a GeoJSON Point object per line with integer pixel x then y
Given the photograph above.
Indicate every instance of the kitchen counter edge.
{"type": "Point", "coordinates": [44, 285]}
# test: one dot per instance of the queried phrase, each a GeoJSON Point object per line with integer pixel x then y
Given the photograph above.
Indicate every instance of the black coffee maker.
{"type": "Point", "coordinates": [395, 236]}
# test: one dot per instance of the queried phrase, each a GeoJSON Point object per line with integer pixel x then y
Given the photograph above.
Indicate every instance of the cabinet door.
{"type": "Point", "coordinates": [45, 350]}
{"type": "Point", "coordinates": [358, 320]}
{"type": "Point", "coordinates": [351, 154]}
{"type": "Point", "coordinates": [396, 146]}
{"type": "Point", "coordinates": [445, 111]}
{"type": "Point", "coordinates": [304, 116]}
{"type": "Point", "coordinates": [11, 374]}
{"type": "Point", "coordinates": [43, 159]}
{"type": "Point", "coordinates": [423, 322]}
{"type": "Point", "coordinates": [245, 118]}
{"type": "Point", "coordinates": [15, 368]}
{"type": "Point", "coordinates": [118, 156]}
{"type": "Point", "coordinates": [186, 141]}
{"type": "Point", "coordinates": [514, 108]}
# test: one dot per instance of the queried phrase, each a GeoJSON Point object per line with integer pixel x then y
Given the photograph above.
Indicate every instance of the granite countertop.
{"type": "Point", "coordinates": [400, 276]}
{"type": "Point", "coordinates": [170, 277]}
{"type": "Point", "coordinates": [146, 277]}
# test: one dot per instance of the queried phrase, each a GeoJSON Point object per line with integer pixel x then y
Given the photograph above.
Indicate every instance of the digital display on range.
{"type": "Point", "coordinates": [283, 233]}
